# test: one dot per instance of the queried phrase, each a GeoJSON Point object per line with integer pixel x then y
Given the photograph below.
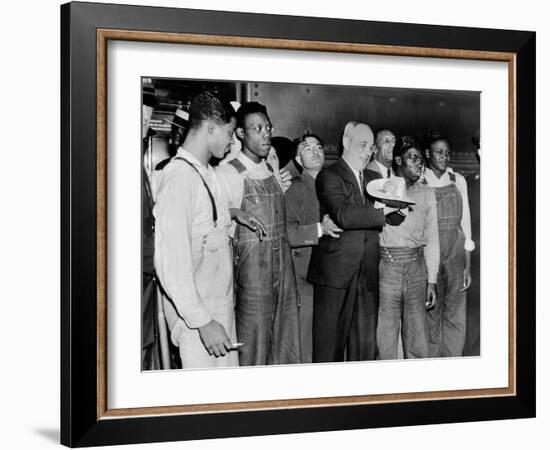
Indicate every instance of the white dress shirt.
{"type": "Point", "coordinates": [356, 173]}
{"type": "Point", "coordinates": [382, 169]}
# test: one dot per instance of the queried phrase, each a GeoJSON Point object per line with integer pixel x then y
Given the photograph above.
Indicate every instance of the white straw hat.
{"type": "Point", "coordinates": [392, 188]}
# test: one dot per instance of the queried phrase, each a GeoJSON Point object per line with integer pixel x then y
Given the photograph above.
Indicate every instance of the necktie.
{"type": "Point", "coordinates": [389, 173]}
{"type": "Point", "coordinates": [362, 183]}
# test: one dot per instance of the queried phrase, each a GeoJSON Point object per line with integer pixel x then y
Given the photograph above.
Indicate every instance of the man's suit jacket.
{"type": "Point", "coordinates": [335, 262]}
{"type": "Point", "coordinates": [374, 167]}
{"type": "Point", "coordinates": [302, 218]}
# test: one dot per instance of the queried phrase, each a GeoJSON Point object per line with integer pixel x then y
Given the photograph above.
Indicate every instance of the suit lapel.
{"type": "Point", "coordinates": [347, 174]}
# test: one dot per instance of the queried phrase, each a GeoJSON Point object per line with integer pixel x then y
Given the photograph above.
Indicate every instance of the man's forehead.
{"type": "Point", "coordinates": [440, 144]}
{"type": "Point", "coordinates": [363, 132]}
{"type": "Point", "coordinates": [385, 134]}
{"type": "Point", "coordinates": [256, 118]}
{"type": "Point", "coordinates": [311, 140]}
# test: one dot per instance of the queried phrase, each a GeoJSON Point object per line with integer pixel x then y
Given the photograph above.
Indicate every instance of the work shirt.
{"type": "Point", "coordinates": [192, 256]}
{"type": "Point", "coordinates": [460, 183]}
{"type": "Point", "coordinates": [419, 229]}
{"type": "Point", "coordinates": [232, 182]}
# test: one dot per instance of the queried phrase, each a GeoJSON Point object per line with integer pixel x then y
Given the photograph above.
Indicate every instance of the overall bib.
{"type": "Point", "coordinates": [267, 311]}
{"type": "Point", "coordinates": [447, 320]}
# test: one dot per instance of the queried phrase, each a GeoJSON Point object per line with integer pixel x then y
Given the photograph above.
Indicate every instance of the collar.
{"type": "Point", "coordinates": [448, 170]}
{"type": "Point", "coordinates": [415, 186]}
{"type": "Point", "coordinates": [445, 179]}
{"type": "Point", "coordinates": [355, 171]}
{"type": "Point", "coordinates": [191, 158]}
{"type": "Point", "coordinates": [308, 179]}
{"type": "Point", "coordinates": [249, 164]}
{"type": "Point", "coordinates": [382, 168]}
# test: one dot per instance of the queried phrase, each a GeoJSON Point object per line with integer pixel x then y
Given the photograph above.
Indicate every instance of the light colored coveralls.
{"type": "Point", "coordinates": [193, 258]}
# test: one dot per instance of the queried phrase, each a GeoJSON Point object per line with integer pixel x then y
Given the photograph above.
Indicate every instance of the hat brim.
{"type": "Point", "coordinates": [375, 189]}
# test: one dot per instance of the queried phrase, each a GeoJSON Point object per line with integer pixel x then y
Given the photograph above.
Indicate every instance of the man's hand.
{"type": "Point", "coordinates": [273, 159]}
{"type": "Point", "coordinates": [215, 339]}
{"type": "Point", "coordinates": [395, 218]}
{"type": "Point", "coordinates": [431, 295]}
{"type": "Point", "coordinates": [285, 179]}
{"type": "Point", "coordinates": [466, 279]}
{"type": "Point", "coordinates": [330, 228]}
{"type": "Point", "coordinates": [249, 220]}
{"type": "Point", "coordinates": [466, 274]}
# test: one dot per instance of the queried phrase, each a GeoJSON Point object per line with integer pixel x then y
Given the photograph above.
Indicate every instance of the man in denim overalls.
{"type": "Point", "coordinates": [447, 320]}
{"type": "Point", "coordinates": [266, 295]}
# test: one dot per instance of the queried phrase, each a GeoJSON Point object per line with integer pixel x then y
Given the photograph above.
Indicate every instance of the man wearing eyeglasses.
{"type": "Point", "coordinates": [383, 154]}
{"type": "Point", "coordinates": [344, 271]}
{"type": "Point", "coordinates": [305, 226]}
{"type": "Point", "coordinates": [266, 295]}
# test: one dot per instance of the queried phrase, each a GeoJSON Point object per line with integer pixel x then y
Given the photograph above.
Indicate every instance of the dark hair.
{"type": "Point", "coordinates": [247, 109]}
{"type": "Point", "coordinates": [311, 135]}
{"type": "Point", "coordinates": [433, 136]}
{"type": "Point", "coordinates": [284, 148]}
{"type": "Point", "coordinates": [403, 145]}
{"type": "Point", "coordinates": [206, 106]}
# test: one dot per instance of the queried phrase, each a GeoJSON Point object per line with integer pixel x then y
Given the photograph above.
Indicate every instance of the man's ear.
{"type": "Point", "coordinates": [298, 159]}
{"type": "Point", "coordinates": [345, 141]}
{"type": "Point", "coordinates": [398, 160]}
{"type": "Point", "coordinates": [210, 127]}
{"type": "Point", "coordinates": [427, 153]}
{"type": "Point", "coordinates": [240, 133]}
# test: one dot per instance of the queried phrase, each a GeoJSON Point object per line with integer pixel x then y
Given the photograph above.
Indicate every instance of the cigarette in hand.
{"type": "Point", "coordinates": [237, 344]}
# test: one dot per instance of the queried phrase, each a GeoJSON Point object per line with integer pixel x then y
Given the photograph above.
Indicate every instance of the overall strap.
{"type": "Point", "coordinates": [238, 165]}
{"type": "Point", "coordinates": [214, 209]}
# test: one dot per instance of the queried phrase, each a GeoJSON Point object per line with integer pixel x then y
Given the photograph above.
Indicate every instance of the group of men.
{"type": "Point", "coordinates": [332, 265]}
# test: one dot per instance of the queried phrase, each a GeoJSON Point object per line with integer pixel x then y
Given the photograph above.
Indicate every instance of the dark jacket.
{"type": "Point", "coordinates": [334, 262]}
{"type": "Point", "coordinates": [302, 218]}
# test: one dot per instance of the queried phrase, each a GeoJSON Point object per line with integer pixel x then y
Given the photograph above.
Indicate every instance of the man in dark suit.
{"type": "Point", "coordinates": [344, 271]}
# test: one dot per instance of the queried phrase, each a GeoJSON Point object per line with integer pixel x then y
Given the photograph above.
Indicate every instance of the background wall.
{"type": "Point", "coordinates": [325, 110]}
{"type": "Point", "coordinates": [29, 323]}
{"type": "Point", "coordinates": [295, 109]}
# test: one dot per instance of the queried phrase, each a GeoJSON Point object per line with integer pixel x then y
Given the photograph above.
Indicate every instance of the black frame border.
{"type": "Point", "coordinates": [79, 423]}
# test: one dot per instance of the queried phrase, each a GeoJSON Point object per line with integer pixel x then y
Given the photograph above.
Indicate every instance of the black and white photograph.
{"type": "Point", "coordinates": [287, 223]}
{"type": "Point", "coordinates": [330, 226]}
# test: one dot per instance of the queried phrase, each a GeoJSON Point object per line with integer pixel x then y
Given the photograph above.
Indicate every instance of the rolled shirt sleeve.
{"type": "Point", "coordinates": [431, 250]}
{"type": "Point", "coordinates": [466, 221]}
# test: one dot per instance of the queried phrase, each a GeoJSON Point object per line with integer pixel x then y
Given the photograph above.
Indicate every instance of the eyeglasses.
{"type": "Point", "coordinates": [260, 129]}
{"type": "Point", "coordinates": [369, 147]}
{"type": "Point", "coordinates": [415, 158]}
